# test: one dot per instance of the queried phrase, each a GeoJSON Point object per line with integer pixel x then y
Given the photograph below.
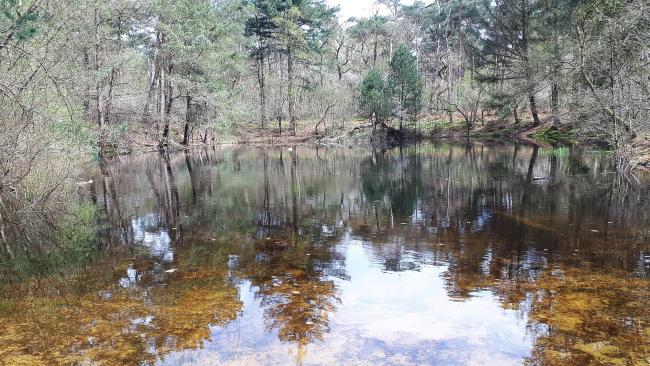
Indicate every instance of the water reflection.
{"type": "Point", "coordinates": [147, 231]}
{"type": "Point", "coordinates": [433, 254]}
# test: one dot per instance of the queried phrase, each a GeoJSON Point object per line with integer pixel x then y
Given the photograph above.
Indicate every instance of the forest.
{"type": "Point", "coordinates": [92, 78]}
{"type": "Point", "coordinates": [274, 182]}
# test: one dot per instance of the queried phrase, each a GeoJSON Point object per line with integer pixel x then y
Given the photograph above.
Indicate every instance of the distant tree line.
{"type": "Point", "coordinates": [109, 74]}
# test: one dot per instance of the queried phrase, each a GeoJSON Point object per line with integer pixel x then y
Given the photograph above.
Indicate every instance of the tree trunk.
{"type": "Point", "coordinates": [533, 109]}
{"type": "Point", "coordinates": [450, 112]}
{"type": "Point", "coordinates": [152, 89]}
{"type": "Point", "coordinates": [514, 112]}
{"type": "Point", "coordinates": [290, 92]}
{"type": "Point", "coordinates": [401, 115]}
{"type": "Point", "coordinates": [555, 103]}
{"type": "Point", "coordinates": [374, 54]}
{"type": "Point", "coordinates": [188, 117]}
{"type": "Point", "coordinates": [376, 122]}
{"type": "Point", "coordinates": [115, 73]}
{"type": "Point", "coordinates": [555, 76]}
{"type": "Point", "coordinates": [99, 85]}
{"type": "Point", "coordinates": [161, 101]}
{"type": "Point", "coordinates": [101, 118]}
{"type": "Point", "coordinates": [168, 101]}
{"type": "Point", "coordinates": [89, 90]}
{"type": "Point", "coordinates": [109, 99]}
{"type": "Point", "coordinates": [262, 82]}
{"type": "Point", "coordinates": [527, 68]}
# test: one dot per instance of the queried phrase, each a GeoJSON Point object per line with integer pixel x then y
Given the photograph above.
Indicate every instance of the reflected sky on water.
{"type": "Point", "coordinates": [431, 254]}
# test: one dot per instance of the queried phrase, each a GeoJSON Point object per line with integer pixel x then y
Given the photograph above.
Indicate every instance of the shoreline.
{"type": "Point", "coordinates": [637, 156]}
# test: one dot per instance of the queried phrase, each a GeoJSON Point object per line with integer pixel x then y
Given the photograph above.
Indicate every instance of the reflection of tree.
{"type": "Point", "coordinates": [396, 182]}
{"type": "Point", "coordinates": [276, 221]}
{"type": "Point", "coordinates": [521, 240]}
{"type": "Point", "coordinates": [291, 257]}
{"type": "Point", "coordinates": [375, 176]}
{"type": "Point", "coordinates": [292, 269]}
{"type": "Point", "coordinates": [298, 301]}
{"type": "Point", "coordinates": [112, 203]}
{"type": "Point", "coordinates": [575, 315]}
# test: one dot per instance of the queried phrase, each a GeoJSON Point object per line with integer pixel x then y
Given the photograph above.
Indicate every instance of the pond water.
{"type": "Point", "coordinates": [426, 255]}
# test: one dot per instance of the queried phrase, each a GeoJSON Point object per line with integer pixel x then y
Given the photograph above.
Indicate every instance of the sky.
{"type": "Point", "coordinates": [361, 8]}
{"type": "Point", "coordinates": [354, 8]}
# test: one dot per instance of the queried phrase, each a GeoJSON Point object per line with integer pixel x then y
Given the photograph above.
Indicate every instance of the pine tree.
{"type": "Point", "coordinates": [511, 34]}
{"type": "Point", "coordinates": [261, 27]}
{"type": "Point", "coordinates": [301, 25]}
{"type": "Point", "coordinates": [18, 22]}
{"type": "Point", "coordinates": [375, 101]}
{"type": "Point", "coordinates": [405, 84]}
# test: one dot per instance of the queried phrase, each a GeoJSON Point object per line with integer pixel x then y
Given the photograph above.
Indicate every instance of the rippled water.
{"type": "Point", "coordinates": [432, 254]}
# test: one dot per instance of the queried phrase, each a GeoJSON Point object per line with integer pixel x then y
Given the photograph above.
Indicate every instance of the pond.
{"type": "Point", "coordinates": [502, 254]}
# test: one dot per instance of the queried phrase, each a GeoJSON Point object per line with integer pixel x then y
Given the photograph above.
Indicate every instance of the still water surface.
{"type": "Point", "coordinates": [435, 254]}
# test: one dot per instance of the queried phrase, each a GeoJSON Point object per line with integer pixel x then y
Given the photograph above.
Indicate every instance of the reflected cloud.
{"type": "Point", "coordinates": [146, 231]}
{"type": "Point", "coordinates": [131, 278]}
